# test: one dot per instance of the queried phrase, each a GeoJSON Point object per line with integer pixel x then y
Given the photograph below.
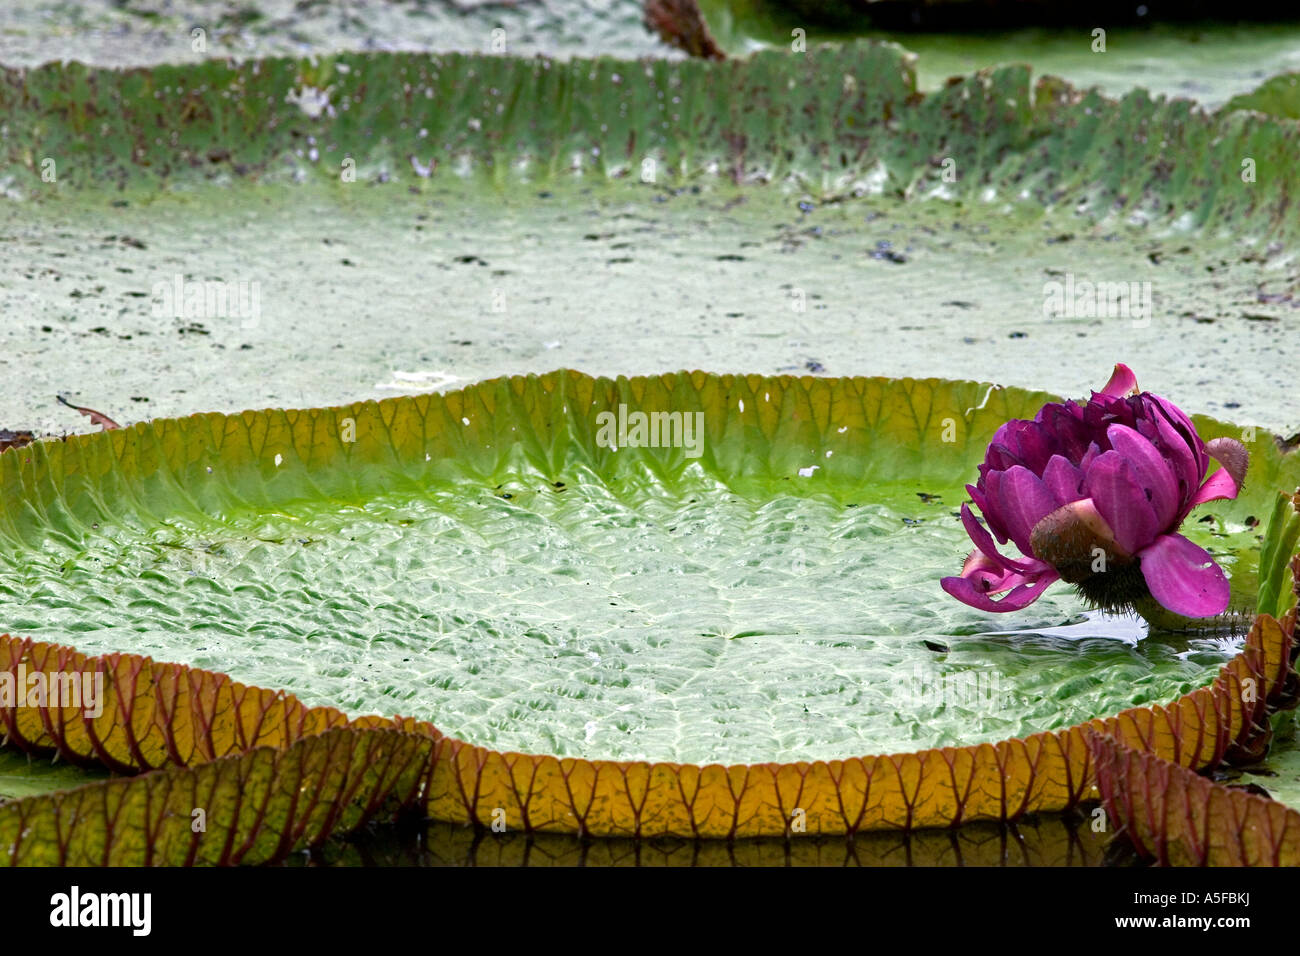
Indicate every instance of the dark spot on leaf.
{"type": "Point", "coordinates": [883, 251]}
{"type": "Point", "coordinates": [15, 439]}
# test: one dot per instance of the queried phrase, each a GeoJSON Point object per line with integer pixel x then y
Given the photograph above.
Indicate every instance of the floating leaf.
{"type": "Point", "coordinates": [1036, 141]}
{"type": "Point", "coordinates": [25, 775]}
{"type": "Point", "coordinates": [152, 715]}
{"type": "Point", "coordinates": [941, 787]}
{"type": "Point", "coordinates": [1044, 772]}
{"type": "Point", "coordinates": [504, 440]}
{"type": "Point", "coordinates": [1179, 818]}
{"type": "Point", "coordinates": [253, 808]}
{"type": "Point", "coordinates": [1277, 96]}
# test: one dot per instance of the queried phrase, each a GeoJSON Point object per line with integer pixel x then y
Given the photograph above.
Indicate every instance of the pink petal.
{"type": "Point", "coordinates": [1119, 500]}
{"type": "Point", "coordinates": [982, 503]}
{"type": "Point", "coordinates": [1001, 456]}
{"type": "Point", "coordinates": [1178, 419]}
{"type": "Point", "coordinates": [1184, 578]}
{"type": "Point", "coordinates": [984, 542]}
{"type": "Point", "coordinates": [1063, 480]}
{"type": "Point", "coordinates": [1122, 382]}
{"type": "Point", "coordinates": [1232, 455]}
{"type": "Point", "coordinates": [1153, 473]}
{"type": "Point", "coordinates": [1186, 467]}
{"type": "Point", "coordinates": [1019, 597]}
{"type": "Point", "coordinates": [988, 575]}
{"type": "Point", "coordinates": [1021, 499]}
{"type": "Point", "coordinates": [1035, 447]}
{"type": "Point", "coordinates": [1218, 486]}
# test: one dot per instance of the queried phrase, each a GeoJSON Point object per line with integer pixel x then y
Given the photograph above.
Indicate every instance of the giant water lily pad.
{"type": "Point", "coordinates": [767, 593]}
{"type": "Point", "coordinates": [487, 561]}
{"type": "Point", "coordinates": [545, 175]}
{"type": "Point", "coordinates": [1170, 52]}
{"type": "Point", "coordinates": [680, 644]}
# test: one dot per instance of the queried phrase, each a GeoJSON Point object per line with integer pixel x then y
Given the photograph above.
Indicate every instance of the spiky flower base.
{"type": "Point", "coordinates": [1123, 590]}
{"type": "Point", "coordinates": [1119, 588]}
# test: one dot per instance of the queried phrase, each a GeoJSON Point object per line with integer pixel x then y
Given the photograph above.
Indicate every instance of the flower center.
{"type": "Point", "coordinates": [1076, 540]}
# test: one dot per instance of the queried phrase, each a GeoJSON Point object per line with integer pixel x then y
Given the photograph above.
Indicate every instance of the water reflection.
{"type": "Point", "coordinates": [1046, 840]}
{"type": "Point", "coordinates": [1128, 628]}
{"type": "Point", "coordinates": [1222, 635]}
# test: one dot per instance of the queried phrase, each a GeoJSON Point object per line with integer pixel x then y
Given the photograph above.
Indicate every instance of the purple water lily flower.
{"type": "Point", "coordinates": [1093, 494]}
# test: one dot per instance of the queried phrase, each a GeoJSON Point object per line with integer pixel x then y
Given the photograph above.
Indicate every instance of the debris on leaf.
{"type": "Point", "coordinates": [14, 439]}
{"type": "Point", "coordinates": [680, 23]}
{"type": "Point", "coordinates": [96, 418]}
